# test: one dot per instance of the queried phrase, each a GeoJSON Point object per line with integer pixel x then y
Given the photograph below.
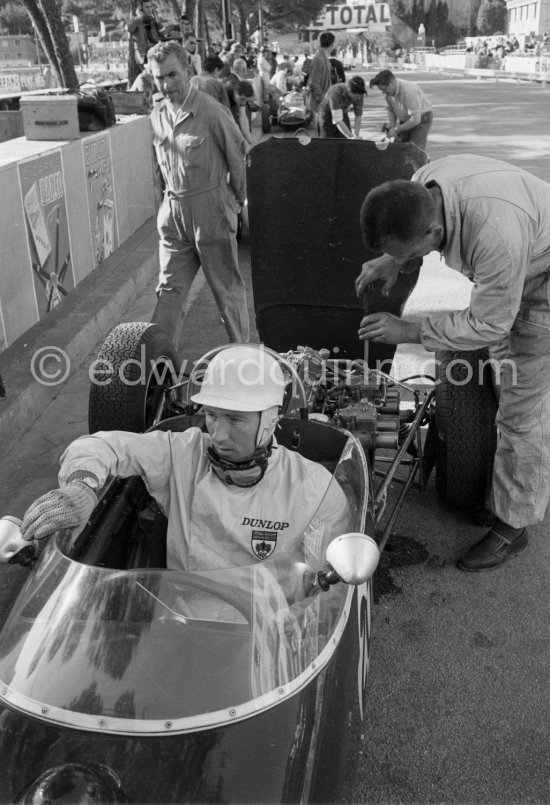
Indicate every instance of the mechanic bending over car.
{"type": "Point", "coordinates": [232, 496]}
{"type": "Point", "coordinates": [490, 221]}
{"type": "Point", "coordinates": [335, 108]}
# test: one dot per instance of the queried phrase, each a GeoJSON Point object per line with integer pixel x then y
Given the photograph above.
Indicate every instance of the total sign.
{"type": "Point", "coordinates": [371, 16]}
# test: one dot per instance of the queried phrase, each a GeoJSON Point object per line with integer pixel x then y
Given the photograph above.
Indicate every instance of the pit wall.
{"type": "Point", "coordinates": [64, 208]}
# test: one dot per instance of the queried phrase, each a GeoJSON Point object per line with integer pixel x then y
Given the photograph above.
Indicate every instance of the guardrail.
{"type": "Point", "coordinates": [518, 68]}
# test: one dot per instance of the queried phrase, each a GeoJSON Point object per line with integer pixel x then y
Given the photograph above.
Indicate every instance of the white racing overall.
{"type": "Point", "coordinates": [210, 524]}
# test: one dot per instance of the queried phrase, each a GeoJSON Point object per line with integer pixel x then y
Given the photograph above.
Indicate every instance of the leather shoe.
{"type": "Point", "coordinates": [492, 551]}
{"type": "Point", "coordinates": [484, 517]}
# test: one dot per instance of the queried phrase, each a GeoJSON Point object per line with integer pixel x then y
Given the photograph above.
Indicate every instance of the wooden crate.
{"type": "Point", "coordinates": [131, 103]}
{"type": "Point", "coordinates": [50, 117]}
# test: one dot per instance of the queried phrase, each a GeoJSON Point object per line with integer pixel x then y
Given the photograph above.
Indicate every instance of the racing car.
{"type": "Point", "coordinates": [123, 681]}
{"type": "Point", "coordinates": [289, 112]}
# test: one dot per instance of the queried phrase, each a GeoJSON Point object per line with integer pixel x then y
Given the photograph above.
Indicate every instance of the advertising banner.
{"type": "Point", "coordinates": [9, 83]}
{"type": "Point", "coordinates": [98, 167]}
{"type": "Point", "coordinates": [366, 16]}
{"type": "Point", "coordinates": [44, 203]}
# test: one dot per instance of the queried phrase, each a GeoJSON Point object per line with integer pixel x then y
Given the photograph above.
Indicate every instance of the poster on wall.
{"type": "Point", "coordinates": [44, 203]}
{"type": "Point", "coordinates": [98, 167]}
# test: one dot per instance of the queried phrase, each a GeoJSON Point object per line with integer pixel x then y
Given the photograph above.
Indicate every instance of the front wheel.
{"type": "Point", "coordinates": [465, 432]}
{"type": "Point", "coordinates": [136, 366]}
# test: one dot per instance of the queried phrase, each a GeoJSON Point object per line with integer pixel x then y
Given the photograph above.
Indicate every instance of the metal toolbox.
{"type": "Point", "coordinates": [50, 117]}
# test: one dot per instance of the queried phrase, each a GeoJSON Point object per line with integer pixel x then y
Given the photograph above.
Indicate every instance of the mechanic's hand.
{"type": "Point", "coordinates": [381, 268]}
{"type": "Point", "coordinates": [389, 329]}
{"type": "Point", "coordinates": [67, 507]}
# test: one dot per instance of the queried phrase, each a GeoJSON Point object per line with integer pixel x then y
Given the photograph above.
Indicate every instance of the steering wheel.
{"type": "Point", "coordinates": [231, 595]}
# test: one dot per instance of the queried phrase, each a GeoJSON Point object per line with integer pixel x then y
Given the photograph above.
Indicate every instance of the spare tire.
{"type": "Point", "coordinates": [465, 443]}
{"type": "Point", "coordinates": [136, 365]}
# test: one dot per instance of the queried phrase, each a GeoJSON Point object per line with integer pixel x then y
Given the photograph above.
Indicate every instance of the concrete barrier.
{"type": "Point", "coordinates": [65, 207]}
{"type": "Point", "coordinates": [11, 125]}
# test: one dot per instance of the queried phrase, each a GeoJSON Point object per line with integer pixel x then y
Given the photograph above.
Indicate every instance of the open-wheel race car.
{"type": "Point", "coordinates": [290, 112]}
{"type": "Point", "coordinates": [121, 680]}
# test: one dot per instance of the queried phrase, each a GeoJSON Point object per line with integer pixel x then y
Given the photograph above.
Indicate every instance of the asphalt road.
{"type": "Point", "coordinates": [459, 702]}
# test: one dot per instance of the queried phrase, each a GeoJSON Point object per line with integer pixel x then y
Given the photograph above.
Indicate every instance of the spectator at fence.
{"type": "Point", "coordinates": [409, 109]}
{"type": "Point", "coordinates": [200, 152]}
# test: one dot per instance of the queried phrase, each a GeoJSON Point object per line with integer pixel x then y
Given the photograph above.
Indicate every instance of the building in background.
{"type": "Point", "coordinates": [17, 51]}
{"type": "Point", "coordinates": [526, 18]}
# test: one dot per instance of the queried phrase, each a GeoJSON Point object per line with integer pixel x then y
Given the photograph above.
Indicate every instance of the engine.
{"type": "Point", "coordinates": [349, 395]}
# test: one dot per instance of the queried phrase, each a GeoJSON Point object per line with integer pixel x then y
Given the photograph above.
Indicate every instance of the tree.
{"type": "Point", "coordinates": [49, 27]}
{"type": "Point", "coordinates": [279, 15]}
{"type": "Point", "coordinates": [491, 17]}
{"type": "Point", "coordinates": [15, 19]}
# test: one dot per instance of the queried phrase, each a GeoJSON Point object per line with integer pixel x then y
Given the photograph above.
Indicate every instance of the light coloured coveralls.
{"type": "Point", "coordinates": [212, 525]}
{"type": "Point", "coordinates": [497, 220]}
{"type": "Point", "coordinates": [198, 148]}
{"type": "Point", "coordinates": [409, 98]}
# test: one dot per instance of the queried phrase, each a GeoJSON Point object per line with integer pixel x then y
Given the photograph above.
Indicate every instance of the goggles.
{"type": "Point", "coordinates": [240, 473]}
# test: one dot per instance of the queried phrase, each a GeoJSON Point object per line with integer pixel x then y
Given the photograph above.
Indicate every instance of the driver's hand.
{"type": "Point", "coordinates": [68, 507]}
{"type": "Point", "coordinates": [382, 268]}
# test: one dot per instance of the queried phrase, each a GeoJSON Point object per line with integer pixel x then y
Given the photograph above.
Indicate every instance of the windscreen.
{"type": "Point", "coordinates": [161, 650]}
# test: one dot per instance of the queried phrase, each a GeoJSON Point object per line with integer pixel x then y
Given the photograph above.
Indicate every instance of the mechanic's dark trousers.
{"type": "Point", "coordinates": [521, 473]}
{"type": "Point", "coordinates": [200, 230]}
{"type": "Point", "coordinates": [419, 134]}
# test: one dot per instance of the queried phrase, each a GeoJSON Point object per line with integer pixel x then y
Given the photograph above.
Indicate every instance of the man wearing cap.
{"type": "Point", "coordinates": [409, 109]}
{"type": "Point", "coordinates": [232, 496]}
{"type": "Point", "coordinates": [335, 107]}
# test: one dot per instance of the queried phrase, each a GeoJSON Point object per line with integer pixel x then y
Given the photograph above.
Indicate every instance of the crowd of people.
{"type": "Point", "coordinates": [491, 51]}
{"type": "Point", "coordinates": [201, 119]}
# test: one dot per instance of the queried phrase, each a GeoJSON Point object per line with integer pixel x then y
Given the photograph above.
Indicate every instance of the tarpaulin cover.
{"type": "Point", "coordinates": [305, 240]}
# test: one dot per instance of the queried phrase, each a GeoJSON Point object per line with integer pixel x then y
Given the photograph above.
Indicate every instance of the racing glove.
{"type": "Point", "coordinates": [67, 507]}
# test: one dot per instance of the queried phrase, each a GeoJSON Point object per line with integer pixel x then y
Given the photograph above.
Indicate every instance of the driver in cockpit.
{"type": "Point", "coordinates": [232, 496]}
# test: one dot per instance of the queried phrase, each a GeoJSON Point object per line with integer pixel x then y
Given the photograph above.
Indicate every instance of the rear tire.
{"type": "Point", "coordinates": [136, 363]}
{"type": "Point", "coordinates": [465, 432]}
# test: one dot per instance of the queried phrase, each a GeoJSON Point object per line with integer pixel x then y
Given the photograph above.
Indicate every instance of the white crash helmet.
{"type": "Point", "coordinates": [245, 377]}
